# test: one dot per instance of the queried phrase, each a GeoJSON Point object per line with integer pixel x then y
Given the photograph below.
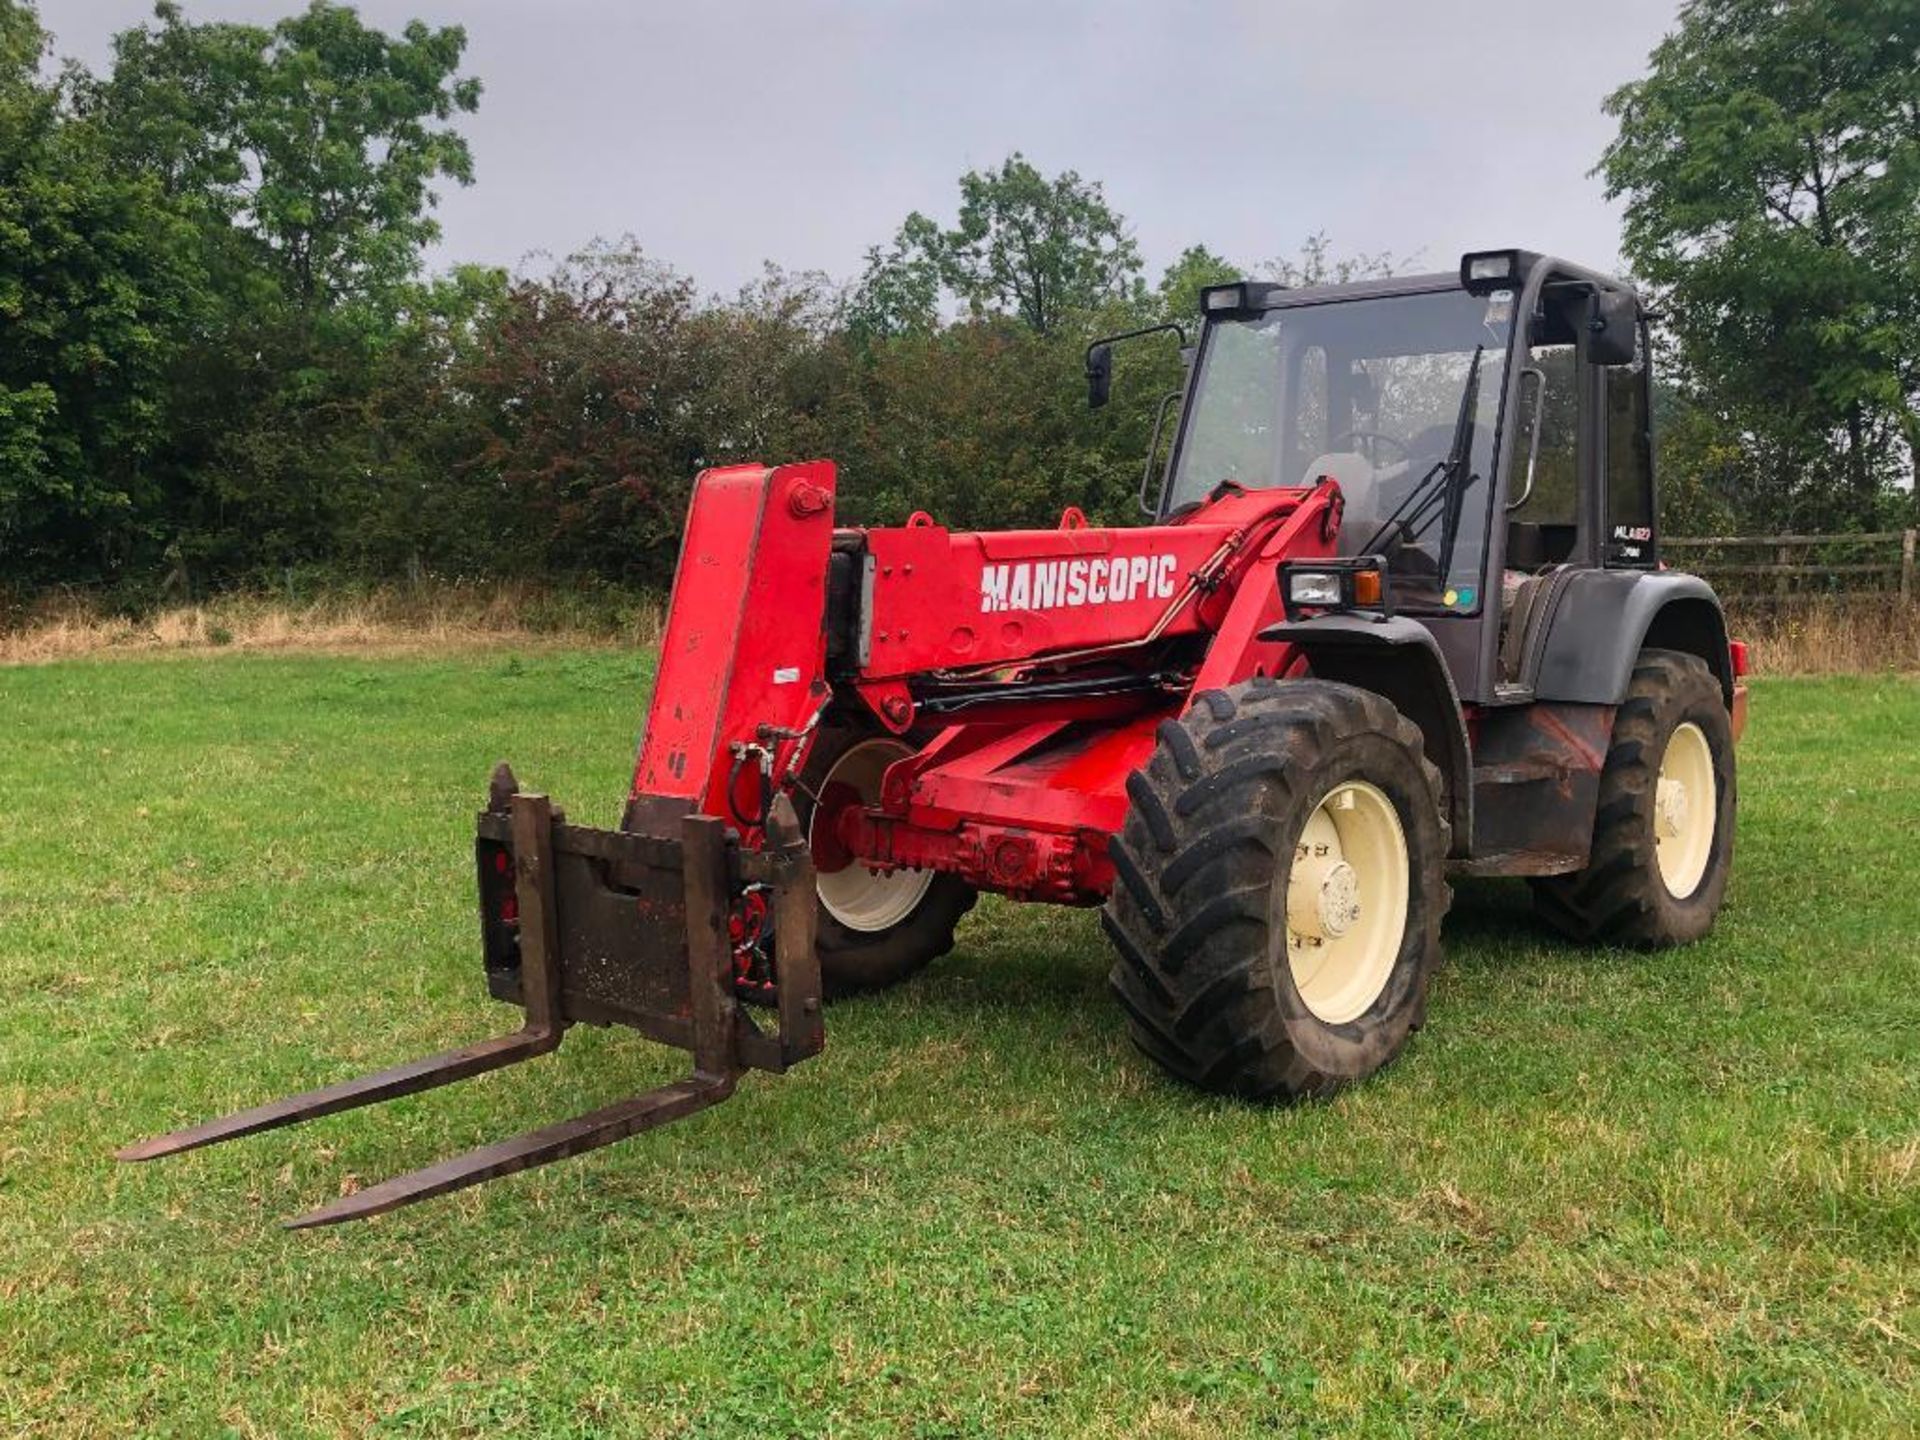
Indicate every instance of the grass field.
{"type": "Point", "coordinates": [1603, 1193]}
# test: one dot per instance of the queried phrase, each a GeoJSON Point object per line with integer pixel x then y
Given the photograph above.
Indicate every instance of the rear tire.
{"type": "Point", "coordinates": [1216, 968]}
{"type": "Point", "coordinates": [864, 947]}
{"type": "Point", "coordinates": [1654, 877]}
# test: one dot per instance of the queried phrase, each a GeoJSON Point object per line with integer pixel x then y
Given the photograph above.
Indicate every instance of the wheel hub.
{"type": "Point", "coordinates": [1338, 903]}
{"type": "Point", "coordinates": [1671, 806]}
{"type": "Point", "coordinates": [1320, 881]}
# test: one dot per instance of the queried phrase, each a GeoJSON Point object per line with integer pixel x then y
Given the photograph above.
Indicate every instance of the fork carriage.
{"type": "Point", "coordinates": [573, 920]}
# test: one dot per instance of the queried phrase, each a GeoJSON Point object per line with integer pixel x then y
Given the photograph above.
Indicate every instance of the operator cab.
{"type": "Point", "coordinates": [1488, 430]}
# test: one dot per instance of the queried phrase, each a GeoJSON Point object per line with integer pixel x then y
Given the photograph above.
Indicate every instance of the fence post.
{"type": "Point", "coordinates": [1906, 565]}
{"type": "Point", "coordinates": [1783, 580]}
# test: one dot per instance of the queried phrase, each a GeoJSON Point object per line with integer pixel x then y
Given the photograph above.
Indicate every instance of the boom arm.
{"type": "Point", "coordinates": [1030, 666]}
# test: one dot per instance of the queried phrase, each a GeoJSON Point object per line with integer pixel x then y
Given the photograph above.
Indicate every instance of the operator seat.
{"type": "Point", "coordinates": [1354, 474]}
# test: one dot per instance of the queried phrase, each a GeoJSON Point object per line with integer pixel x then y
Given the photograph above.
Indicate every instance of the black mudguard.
{"type": "Point", "coordinates": [1602, 619]}
{"type": "Point", "coordinates": [1398, 658]}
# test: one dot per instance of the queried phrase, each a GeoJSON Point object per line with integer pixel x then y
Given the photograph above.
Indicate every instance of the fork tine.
{"type": "Point", "coordinates": [416, 1075]}
{"type": "Point", "coordinates": [536, 1147]}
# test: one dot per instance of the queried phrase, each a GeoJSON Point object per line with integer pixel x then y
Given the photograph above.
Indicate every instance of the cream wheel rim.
{"type": "Point", "coordinates": [1347, 894]}
{"type": "Point", "coordinates": [854, 895]}
{"type": "Point", "coordinates": [1685, 807]}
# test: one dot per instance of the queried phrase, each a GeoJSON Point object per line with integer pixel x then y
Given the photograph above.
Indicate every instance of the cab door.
{"type": "Point", "coordinates": [1553, 492]}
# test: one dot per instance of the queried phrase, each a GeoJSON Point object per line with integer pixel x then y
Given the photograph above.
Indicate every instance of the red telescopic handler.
{"type": "Point", "coordinates": [1398, 613]}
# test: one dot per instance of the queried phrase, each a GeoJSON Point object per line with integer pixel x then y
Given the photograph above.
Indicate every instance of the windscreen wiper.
{"type": "Point", "coordinates": [1439, 493]}
{"type": "Point", "coordinates": [1457, 458]}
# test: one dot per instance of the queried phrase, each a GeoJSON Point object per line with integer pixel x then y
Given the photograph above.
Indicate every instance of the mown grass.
{"type": "Point", "coordinates": [1602, 1193]}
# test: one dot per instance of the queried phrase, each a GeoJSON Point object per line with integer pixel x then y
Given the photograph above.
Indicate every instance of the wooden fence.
{"type": "Point", "coordinates": [1792, 566]}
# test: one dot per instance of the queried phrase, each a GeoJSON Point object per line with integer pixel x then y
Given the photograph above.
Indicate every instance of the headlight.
{"type": "Point", "coordinates": [1313, 588]}
{"type": "Point", "coordinates": [1356, 584]}
{"type": "Point", "coordinates": [1482, 272]}
{"type": "Point", "coordinates": [1223, 299]}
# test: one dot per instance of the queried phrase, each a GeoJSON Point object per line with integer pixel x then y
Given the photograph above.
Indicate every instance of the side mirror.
{"type": "Point", "coordinates": [1099, 375]}
{"type": "Point", "coordinates": [1612, 325]}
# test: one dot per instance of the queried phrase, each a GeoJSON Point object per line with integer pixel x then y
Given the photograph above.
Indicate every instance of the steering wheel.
{"type": "Point", "coordinates": [1391, 481]}
{"type": "Point", "coordinates": [1372, 450]}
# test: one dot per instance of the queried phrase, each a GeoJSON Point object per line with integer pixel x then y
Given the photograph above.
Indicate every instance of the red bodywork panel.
{"type": "Point", "coordinates": [1020, 790]}
{"type": "Point", "coordinates": [944, 599]}
{"type": "Point", "coordinates": [746, 638]}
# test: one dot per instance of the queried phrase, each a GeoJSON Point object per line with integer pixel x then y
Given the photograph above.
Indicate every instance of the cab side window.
{"type": "Point", "coordinates": [1543, 479]}
{"type": "Point", "coordinates": [1630, 537]}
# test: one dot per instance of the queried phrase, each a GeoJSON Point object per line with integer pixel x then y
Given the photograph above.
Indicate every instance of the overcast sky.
{"type": "Point", "coordinates": [803, 131]}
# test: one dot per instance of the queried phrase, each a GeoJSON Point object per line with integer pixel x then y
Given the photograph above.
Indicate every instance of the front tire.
{"type": "Point", "coordinates": [1663, 828]}
{"type": "Point", "coordinates": [1279, 889]}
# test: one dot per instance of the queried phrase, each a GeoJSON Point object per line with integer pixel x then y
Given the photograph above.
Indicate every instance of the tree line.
{"type": "Point", "coordinates": [224, 357]}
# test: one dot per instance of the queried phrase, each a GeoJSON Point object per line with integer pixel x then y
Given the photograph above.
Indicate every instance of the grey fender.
{"type": "Point", "coordinates": [1397, 658]}
{"type": "Point", "coordinates": [1602, 619]}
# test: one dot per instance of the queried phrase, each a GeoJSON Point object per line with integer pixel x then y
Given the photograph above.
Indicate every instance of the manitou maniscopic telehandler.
{"type": "Point", "coordinates": [1399, 614]}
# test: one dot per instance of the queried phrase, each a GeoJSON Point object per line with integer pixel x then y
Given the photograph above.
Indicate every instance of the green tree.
{"type": "Point", "coordinates": [1317, 263]}
{"type": "Point", "coordinates": [319, 139]}
{"type": "Point", "coordinates": [1770, 163]}
{"type": "Point", "coordinates": [899, 292]}
{"type": "Point", "coordinates": [1023, 245]}
{"type": "Point", "coordinates": [96, 279]}
{"type": "Point", "coordinates": [23, 44]}
{"type": "Point", "coordinates": [303, 158]}
{"type": "Point", "coordinates": [409, 486]}
{"type": "Point", "coordinates": [589, 386]}
{"type": "Point", "coordinates": [1177, 296]}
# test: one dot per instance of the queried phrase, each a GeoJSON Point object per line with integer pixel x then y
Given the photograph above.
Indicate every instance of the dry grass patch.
{"type": "Point", "coordinates": [1820, 635]}
{"type": "Point", "coordinates": [384, 621]}
{"type": "Point", "coordinates": [1829, 635]}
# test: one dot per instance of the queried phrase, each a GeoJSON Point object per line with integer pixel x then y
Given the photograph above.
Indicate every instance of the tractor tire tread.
{"type": "Point", "coordinates": [1130, 953]}
{"type": "Point", "coordinates": [1137, 885]}
{"type": "Point", "coordinates": [1143, 799]}
{"type": "Point", "coordinates": [1213, 845]}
